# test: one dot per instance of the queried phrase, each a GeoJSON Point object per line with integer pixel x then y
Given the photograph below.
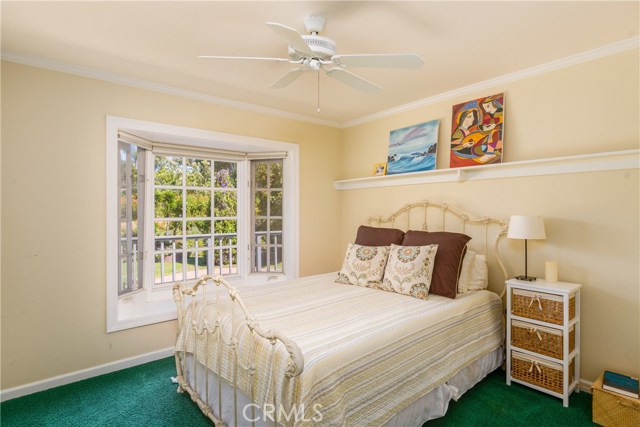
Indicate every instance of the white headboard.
{"type": "Point", "coordinates": [486, 232]}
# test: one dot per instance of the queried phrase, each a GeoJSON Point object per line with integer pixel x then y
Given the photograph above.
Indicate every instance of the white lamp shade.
{"type": "Point", "coordinates": [526, 227]}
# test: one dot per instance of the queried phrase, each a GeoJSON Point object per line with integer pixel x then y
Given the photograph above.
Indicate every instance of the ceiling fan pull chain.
{"type": "Point", "coordinates": [318, 109]}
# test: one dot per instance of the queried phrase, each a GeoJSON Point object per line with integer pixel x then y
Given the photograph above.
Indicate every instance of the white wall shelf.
{"type": "Point", "coordinates": [611, 160]}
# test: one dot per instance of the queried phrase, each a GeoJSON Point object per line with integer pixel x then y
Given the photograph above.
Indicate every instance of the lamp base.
{"type": "Point", "coordinates": [527, 278]}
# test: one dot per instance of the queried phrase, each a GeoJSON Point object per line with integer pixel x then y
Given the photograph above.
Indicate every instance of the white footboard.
{"type": "Point", "coordinates": [203, 316]}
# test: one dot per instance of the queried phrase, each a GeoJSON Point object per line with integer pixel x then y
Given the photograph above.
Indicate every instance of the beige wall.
{"type": "Point", "coordinates": [53, 213]}
{"type": "Point", "coordinates": [591, 218]}
{"type": "Point", "coordinates": [53, 184]}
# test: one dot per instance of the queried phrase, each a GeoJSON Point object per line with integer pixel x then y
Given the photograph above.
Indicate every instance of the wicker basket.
{"type": "Point", "coordinates": [540, 339]}
{"type": "Point", "coordinates": [539, 372]}
{"type": "Point", "coordinates": [541, 306]}
{"type": "Point", "coordinates": [613, 409]}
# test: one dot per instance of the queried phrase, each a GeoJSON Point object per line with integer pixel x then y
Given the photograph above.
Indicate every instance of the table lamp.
{"type": "Point", "coordinates": [526, 227]}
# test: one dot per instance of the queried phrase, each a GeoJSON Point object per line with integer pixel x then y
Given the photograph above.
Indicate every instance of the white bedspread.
{"type": "Point", "coordinates": [368, 354]}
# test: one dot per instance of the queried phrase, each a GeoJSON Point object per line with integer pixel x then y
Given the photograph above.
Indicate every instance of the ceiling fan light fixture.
{"type": "Point", "coordinates": [314, 24]}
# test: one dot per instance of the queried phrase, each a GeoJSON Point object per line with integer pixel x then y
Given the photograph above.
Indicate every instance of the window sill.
{"type": "Point", "coordinates": [612, 160]}
{"type": "Point", "coordinates": [140, 309]}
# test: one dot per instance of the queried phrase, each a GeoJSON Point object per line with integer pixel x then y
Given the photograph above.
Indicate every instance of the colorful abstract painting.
{"type": "Point", "coordinates": [413, 149]}
{"type": "Point", "coordinates": [476, 132]}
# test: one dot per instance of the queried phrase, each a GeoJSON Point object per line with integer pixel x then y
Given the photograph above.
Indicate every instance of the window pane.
{"type": "Point", "coordinates": [276, 259]}
{"type": "Point", "coordinates": [225, 203]}
{"type": "Point", "coordinates": [198, 172]}
{"type": "Point", "coordinates": [225, 261]}
{"type": "Point", "coordinates": [123, 154]}
{"type": "Point", "coordinates": [168, 203]}
{"type": "Point", "coordinates": [167, 228]}
{"type": "Point", "coordinates": [275, 225]}
{"type": "Point", "coordinates": [276, 174]}
{"type": "Point", "coordinates": [261, 225]}
{"type": "Point", "coordinates": [168, 268]}
{"type": "Point", "coordinates": [198, 243]}
{"type": "Point", "coordinates": [226, 240]}
{"type": "Point", "coordinates": [168, 243]}
{"type": "Point", "coordinates": [226, 227]}
{"type": "Point", "coordinates": [198, 204]}
{"type": "Point", "coordinates": [260, 259]}
{"type": "Point", "coordinates": [276, 203]}
{"type": "Point", "coordinates": [275, 238]}
{"type": "Point", "coordinates": [260, 178]}
{"type": "Point", "coordinates": [226, 174]}
{"type": "Point", "coordinates": [196, 266]}
{"type": "Point", "coordinates": [168, 170]}
{"type": "Point", "coordinates": [123, 274]}
{"type": "Point", "coordinates": [198, 227]}
{"type": "Point", "coordinates": [123, 203]}
{"type": "Point", "coordinates": [261, 203]}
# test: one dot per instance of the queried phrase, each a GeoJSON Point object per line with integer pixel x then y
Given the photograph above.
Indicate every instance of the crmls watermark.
{"type": "Point", "coordinates": [279, 414]}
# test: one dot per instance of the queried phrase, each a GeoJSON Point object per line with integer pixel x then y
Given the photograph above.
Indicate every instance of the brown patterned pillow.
{"type": "Point", "coordinates": [373, 236]}
{"type": "Point", "coordinates": [451, 249]}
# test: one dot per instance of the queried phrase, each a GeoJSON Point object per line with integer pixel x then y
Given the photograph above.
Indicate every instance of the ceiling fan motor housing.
{"type": "Point", "coordinates": [323, 48]}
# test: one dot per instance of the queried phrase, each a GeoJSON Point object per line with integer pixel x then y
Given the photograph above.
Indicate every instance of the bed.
{"type": "Point", "coordinates": [314, 351]}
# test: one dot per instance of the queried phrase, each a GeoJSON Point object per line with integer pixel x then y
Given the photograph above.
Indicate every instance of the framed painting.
{"type": "Point", "coordinates": [413, 149]}
{"type": "Point", "coordinates": [379, 169]}
{"type": "Point", "coordinates": [476, 132]}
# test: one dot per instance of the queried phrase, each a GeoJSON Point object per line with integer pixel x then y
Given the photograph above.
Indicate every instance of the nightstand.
{"type": "Point", "coordinates": [543, 336]}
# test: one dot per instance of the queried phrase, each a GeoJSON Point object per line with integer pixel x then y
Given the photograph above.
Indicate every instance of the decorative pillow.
{"type": "Point", "coordinates": [479, 278]}
{"type": "Point", "coordinates": [374, 236]}
{"type": "Point", "coordinates": [451, 249]}
{"type": "Point", "coordinates": [409, 270]}
{"type": "Point", "coordinates": [363, 265]}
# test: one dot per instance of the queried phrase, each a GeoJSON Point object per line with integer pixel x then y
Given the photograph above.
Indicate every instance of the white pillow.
{"type": "Point", "coordinates": [479, 274]}
{"type": "Point", "coordinates": [474, 274]}
{"type": "Point", "coordinates": [409, 270]}
{"type": "Point", "coordinates": [363, 265]}
{"type": "Point", "coordinates": [465, 271]}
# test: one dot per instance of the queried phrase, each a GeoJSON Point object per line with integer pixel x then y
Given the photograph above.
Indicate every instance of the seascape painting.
{"type": "Point", "coordinates": [413, 149]}
{"type": "Point", "coordinates": [476, 132]}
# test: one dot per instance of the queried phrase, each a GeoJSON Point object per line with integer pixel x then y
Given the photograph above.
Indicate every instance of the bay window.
{"type": "Point", "coordinates": [188, 203]}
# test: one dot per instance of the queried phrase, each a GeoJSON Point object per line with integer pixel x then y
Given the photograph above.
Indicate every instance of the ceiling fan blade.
{"type": "Point", "coordinates": [293, 38]}
{"type": "Point", "coordinates": [245, 58]}
{"type": "Point", "coordinates": [353, 80]}
{"type": "Point", "coordinates": [288, 78]}
{"type": "Point", "coordinates": [379, 60]}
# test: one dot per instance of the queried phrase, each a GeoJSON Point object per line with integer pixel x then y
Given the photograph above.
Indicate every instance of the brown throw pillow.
{"type": "Point", "coordinates": [451, 249]}
{"type": "Point", "coordinates": [374, 236]}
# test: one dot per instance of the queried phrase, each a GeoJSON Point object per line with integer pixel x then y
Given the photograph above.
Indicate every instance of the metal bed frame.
{"type": "Point", "coordinates": [211, 329]}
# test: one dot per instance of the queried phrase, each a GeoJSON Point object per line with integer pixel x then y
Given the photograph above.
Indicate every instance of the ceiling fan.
{"type": "Point", "coordinates": [314, 53]}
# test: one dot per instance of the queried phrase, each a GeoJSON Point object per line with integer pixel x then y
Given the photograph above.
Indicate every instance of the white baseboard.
{"type": "Point", "coordinates": [83, 374]}
{"type": "Point", "coordinates": [585, 385]}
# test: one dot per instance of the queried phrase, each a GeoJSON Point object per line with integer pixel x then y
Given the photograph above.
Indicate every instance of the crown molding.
{"type": "Point", "coordinates": [607, 50]}
{"type": "Point", "coordinates": [93, 73]}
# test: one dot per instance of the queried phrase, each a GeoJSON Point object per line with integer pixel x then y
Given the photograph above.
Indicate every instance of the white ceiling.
{"type": "Point", "coordinates": [462, 44]}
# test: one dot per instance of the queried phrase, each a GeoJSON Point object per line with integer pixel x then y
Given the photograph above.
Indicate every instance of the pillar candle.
{"type": "Point", "coordinates": [551, 271]}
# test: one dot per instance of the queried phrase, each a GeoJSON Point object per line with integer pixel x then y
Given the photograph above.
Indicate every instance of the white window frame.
{"type": "Point", "coordinates": [155, 304]}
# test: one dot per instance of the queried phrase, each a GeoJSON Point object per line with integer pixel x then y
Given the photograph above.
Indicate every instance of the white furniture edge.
{"type": "Point", "coordinates": [23, 390]}
{"type": "Point", "coordinates": [596, 162]}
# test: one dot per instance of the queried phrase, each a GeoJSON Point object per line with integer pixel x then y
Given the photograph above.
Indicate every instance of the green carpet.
{"type": "Point", "coordinates": [145, 396]}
